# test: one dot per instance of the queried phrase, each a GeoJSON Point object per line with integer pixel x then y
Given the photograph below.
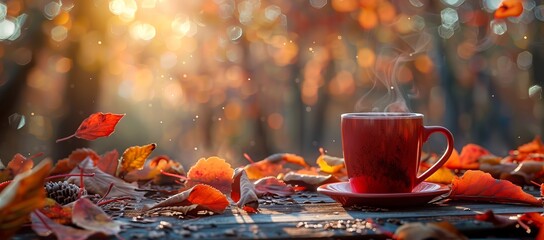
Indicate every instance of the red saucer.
{"type": "Point", "coordinates": [422, 194]}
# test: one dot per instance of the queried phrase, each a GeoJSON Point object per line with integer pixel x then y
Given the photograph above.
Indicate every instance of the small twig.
{"type": "Point", "coordinates": [248, 158]}
{"type": "Point", "coordinates": [107, 192]}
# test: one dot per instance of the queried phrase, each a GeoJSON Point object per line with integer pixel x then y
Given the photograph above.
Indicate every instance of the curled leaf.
{"type": "Point", "coordinates": [525, 172]}
{"type": "Point", "coordinates": [243, 192]}
{"type": "Point", "coordinates": [95, 126]}
{"type": "Point", "coordinates": [468, 159]}
{"type": "Point", "coordinates": [44, 226]}
{"type": "Point", "coordinates": [509, 8]}
{"type": "Point", "coordinates": [273, 165]}
{"type": "Point", "coordinates": [329, 164]}
{"type": "Point", "coordinates": [22, 196]}
{"type": "Point", "coordinates": [213, 171]}
{"type": "Point", "coordinates": [272, 185]}
{"type": "Point", "coordinates": [204, 196]}
{"type": "Point", "coordinates": [87, 215]}
{"type": "Point", "coordinates": [152, 171]}
{"type": "Point", "coordinates": [481, 186]}
{"type": "Point", "coordinates": [533, 150]}
{"type": "Point", "coordinates": [101, 181]}
{"type": "Point", "coordinates": [308, 181]}
{"type": "Point", "coordinates": [134, 157]}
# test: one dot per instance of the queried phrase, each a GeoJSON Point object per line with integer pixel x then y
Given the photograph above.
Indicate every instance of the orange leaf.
{"type": "Point", "coordinates": [56, 212]}
{"type": "Point", "coordinates": [22, 196]}
{"type": "Point", "coordinates": [91, 217]}
{"type": "Point", "coordinates": [153, 168]}
{"type": "Point", "coordinates": [213, 171]}
{"type": "Point", "coordinates": [18, 164]}
{"type": "Point", "coordinates": [273, 165]}
{"type": "Point", "coordinates": [272, 185]}
{"type": "Point", "coordinates": [204, 196]}
{"type": "Point", "coordinates": [533, 150]}
{"type": "Point", "coordinates": [468, 158]}
{"type": "Point", "coordinates": [243, 192]}
{"type": "Point", "coordinates": [481, 186]}
{"type": "Point", "coordinates": [95, 126]}
{"type": "Point", "coordinates": [75, 158]}
{"type": "Point", "coordinates": [109, 162]}
{"type": "Point", "coordinates": [329, 164]}
{"type": "Point", "coordinates": [44, 226]}
{"type": "Point", "coordinates": [134, 157]}
{"type": "Point", "coordinates": [509, 8]}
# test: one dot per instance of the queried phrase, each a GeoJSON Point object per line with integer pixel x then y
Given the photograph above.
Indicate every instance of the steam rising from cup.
{"type": "Point", "coordinates": [385, 76]}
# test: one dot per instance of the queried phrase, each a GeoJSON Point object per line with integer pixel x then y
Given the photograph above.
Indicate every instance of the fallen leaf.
{"type": "Point", "coordinates": [22, 196]}
{"type": "Point", "coordinates": [272, 185]}
{"type": "Point", "coordinates": [87, 215]}
{"type": "Point", "coordinates": [153, 168]}
{"type": "Point", "coordinates": [525, 172]}
{"type": "Point", "coordinates": [75, 158]}
{"type": "Point", "coordinates": [95, 126]}
{"type": "Point", "coordinates": [524, 220]}
{"type": "Point", "coordinates": [442, 175]}
{"type": "Point", "coordinates": [109, 162]}
{"type": "Point", "coordinates": [418, 230]}
{"type": "Point", "coordinates": [309, 181]}
{"type": "Point", "coordinates": [204, 196]}
{"type": "Point", "coordinates": [134, 158]}
{"type": "Point", "coordinates": [273, 165]}
{"type": "Point", "coordinates": [101, 181]}
{"type": "Point", "coordinates": [213, 171]}
{"type": "Point", "coordinates": [481, 186]}
{"type": "Point", "coordinates": [56, 212]}
{"type": "Point", "coordinates": [468, 159]}
{"type": "Point", "coordinates": [44, 226]}
{"type": "Point", "coordinates": [329, 164]}
{"type": "Point", "coordinates": [16, 165]}
{"type": "Point", "coordinates": [243, 192]}
{"type": "Point", "coordinates": [509, 8]}
{"type": "Point", "coordinates": [497, 220]}
{"type": "Point", "coordinates": [533, 150]}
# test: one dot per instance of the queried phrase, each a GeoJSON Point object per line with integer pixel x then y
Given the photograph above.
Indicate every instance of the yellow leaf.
{"type": "Point", "coordinates": [442, 175]}
{"type": "Point", "coordinates": [22, 196]}
{"type": "Point", "coordinates": [330, 164]}
{"type": "Point", "coordinates": [134, 157]}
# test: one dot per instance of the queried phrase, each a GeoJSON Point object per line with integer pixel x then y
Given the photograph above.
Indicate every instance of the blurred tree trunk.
{"type": "Point", "coordinates": [13, 81]}
{"type": "Point", "coordinates": [83, 83]}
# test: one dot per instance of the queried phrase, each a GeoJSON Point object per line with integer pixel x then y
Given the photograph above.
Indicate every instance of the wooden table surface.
{"type": "Point", "coordinates": [309, 215]}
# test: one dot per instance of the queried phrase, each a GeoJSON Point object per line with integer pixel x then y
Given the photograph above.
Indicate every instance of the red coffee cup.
{"type": "Point", "coordinates": [382, 150]}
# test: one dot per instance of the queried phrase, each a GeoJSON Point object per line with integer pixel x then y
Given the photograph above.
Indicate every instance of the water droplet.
{"type": "Point", "coordinates": [219, 119]}
{"type": "Point", "coordinates": [17, 121]}
{"type": "Point", "coordinates": [392, 87]}
{"type": "Point", "coordinates": [32, 114]}
{"type": "Point", "coordinates": [99, 42]}
{"type": "Point", "coordinates": [234, 33]}
{"type": "Point", "coordinates": [196, 116]}
{"type": "Point", "coordinates": [498, 27]}
{"type": "Point", "coordinates": [525, 37]}
{"type": "Point", "coordinates": [170, 140]}
{"type": "Point", "coordinates": [196, 148]}
{"type": "Point", "coordinates": [161, 122]}
{"type": "Point", "coordinates": [535, 91]}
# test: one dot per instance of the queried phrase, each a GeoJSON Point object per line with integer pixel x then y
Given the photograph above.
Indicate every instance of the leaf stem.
{"type": "Point", "coordinates": [248, 158]}
{"type": "Point", "coordinates": [70, 175]}
{"type": "Point", "coordinates": [107, 192]}
{"type": "Point", "coordinates": [173, 175]}
{"type": "Point", "coordinates": [65, 138]}
{"type": "Point", "coordinates": [42, 220]}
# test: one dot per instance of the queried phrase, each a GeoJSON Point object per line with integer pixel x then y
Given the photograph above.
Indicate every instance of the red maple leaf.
{"type": "Point", "coordinates": [95, 126]}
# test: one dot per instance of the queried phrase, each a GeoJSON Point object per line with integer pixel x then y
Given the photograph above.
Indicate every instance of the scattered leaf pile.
{"type": "Point", "coordinates": [212, 185]}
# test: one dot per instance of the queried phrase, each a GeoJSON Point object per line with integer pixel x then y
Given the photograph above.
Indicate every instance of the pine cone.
{"type": "Point", "coordinates": [62, 192]}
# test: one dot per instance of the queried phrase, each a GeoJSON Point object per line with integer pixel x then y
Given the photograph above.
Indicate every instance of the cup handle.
{"type": "Point", "coordinates": [428, 130]}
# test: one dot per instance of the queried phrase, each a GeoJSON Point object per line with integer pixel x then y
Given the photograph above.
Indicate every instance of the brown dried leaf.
{"type": "Point", "coordinates": [309, 181]}
{"type": "Point", "coordinates": [272, 185]}
{"type": "Point", "coordinates": [18, 164]}
{"type": "Point", "coordinates": [44, 226]}
{"type": "Point", "coordinates": [76, 157]}
{"type": "Point", "coordinates": [101, 181]}
{"type": "Point", "coordinates": [417, 230]}
{"type": "Point", "coordinates": [243, 191]}
{"type": "Point", "coordinates": [205, 196]}
{"type": "Point", "coordinates": [87, 215]}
